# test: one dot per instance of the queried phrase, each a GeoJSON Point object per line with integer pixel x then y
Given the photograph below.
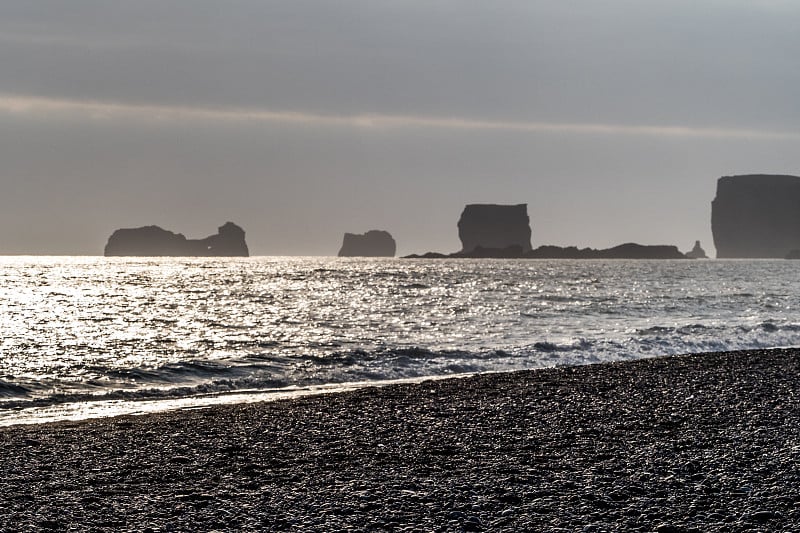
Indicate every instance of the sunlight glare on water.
{"type": "Point", "coordinates": [88, 328]}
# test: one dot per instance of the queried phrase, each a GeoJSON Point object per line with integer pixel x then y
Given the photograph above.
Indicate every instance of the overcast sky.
{"type": "Point", "coordinates": [301, 120]}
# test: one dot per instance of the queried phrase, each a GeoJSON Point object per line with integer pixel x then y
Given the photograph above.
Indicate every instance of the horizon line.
{"type": "Point", "coordinates": [104, 110]}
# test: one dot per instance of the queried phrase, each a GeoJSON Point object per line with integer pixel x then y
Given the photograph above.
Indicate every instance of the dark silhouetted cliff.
{"type": "Point", "coordinates": [756, 215]}
{"type": "Point", "coordinates": [490, 226]}
{"type": "Point", "coordinates": [154, 241]}
{"type": "Point", "coordinates": [374, 243]}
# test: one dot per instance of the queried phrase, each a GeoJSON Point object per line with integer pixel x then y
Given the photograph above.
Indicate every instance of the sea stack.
{"type": "Point", "coordinates": [491, 226]}
{"type": "Point", "coordinates": [697, 252]}
{"type": "Point", "coordinates": [374, 243]}
{"type": "Point", "coordinates": [155, 241]}
{"type": "Point", "coordinates": [756, 215]}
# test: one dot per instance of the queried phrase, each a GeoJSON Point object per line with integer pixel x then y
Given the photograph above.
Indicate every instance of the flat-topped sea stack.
{"type": "Point", "coordinates": [756, 215]}
{"type": "Point", "coordinates": [374, 243]}
{"type": "Point", "coordinates": [497, 227]}
{"type": "Point", "coordinates": [153, 241]}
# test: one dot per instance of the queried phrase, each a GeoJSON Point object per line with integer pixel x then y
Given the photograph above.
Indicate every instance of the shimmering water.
{"type": "Point", "coordinates": [82, 331]}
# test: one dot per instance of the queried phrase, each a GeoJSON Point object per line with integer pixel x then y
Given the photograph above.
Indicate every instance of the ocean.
{"type": "Point", "coordinates": [92, 336]}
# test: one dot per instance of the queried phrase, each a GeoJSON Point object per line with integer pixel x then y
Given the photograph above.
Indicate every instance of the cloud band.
{"type": "Point", "coordinates": [97, 110]}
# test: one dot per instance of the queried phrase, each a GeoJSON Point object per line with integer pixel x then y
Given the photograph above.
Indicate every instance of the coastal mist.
{"type": "Point", "coordinates": [85, 336]}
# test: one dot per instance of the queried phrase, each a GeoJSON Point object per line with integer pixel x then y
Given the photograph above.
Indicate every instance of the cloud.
{"type": "Point", "coordinates": [96, 110]}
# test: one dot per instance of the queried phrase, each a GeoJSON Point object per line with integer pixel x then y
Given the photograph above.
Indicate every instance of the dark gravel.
{"type": "Point", "coordinates": [698, 443]}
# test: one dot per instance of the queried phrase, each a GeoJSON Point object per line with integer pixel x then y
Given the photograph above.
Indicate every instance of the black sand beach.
{"type": "Point", "coordinates": [695, 443]}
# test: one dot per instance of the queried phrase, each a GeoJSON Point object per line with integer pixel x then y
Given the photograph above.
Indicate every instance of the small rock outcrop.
{"type": "Point", "coordinates": [155, 241]}
{"type": "Point", "coordinates": [491, 226]}
{"type": "Point", "coordinates": [756, 215]}
{"type": "Point", "coordinates": [697, 252]}
{"type": "Point", "coordinates": [374, 243]}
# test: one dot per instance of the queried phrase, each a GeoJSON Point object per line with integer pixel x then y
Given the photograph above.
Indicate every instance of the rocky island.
{"type": "Point", "coordinates": [756, 216]}
{"type": "Point", "coordinates": [374, 243]}
{"type": "Point", "coordinates": [494, 226]}
{"type": "Point", "coordinates": [504, 232]}
{"type": "Point", "coordinates": [155, 241]}
{"type": "Point", "coordinates": [630, 250]}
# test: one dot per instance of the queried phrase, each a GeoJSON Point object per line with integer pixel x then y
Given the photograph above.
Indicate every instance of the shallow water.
{"type": "Point", "coordinates": [89, 329]}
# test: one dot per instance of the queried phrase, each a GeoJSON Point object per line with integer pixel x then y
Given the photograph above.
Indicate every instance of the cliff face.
{"type": "Point", "coordinates": [492, 226]}
{"type": "Point", "coordinates": [374, 243]}
{"type": "Point", "coordinates": [155, 241]}
{"type": "Point", "coordinates": [756, 215]}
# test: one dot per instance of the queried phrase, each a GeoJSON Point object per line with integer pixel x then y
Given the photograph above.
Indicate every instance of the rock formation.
{"type": "Point", "coordinates": [632, 250]}
{"type": "Point", "coordinates": [697, 252]}
{"type": "Point", "coordinates": [628, 250]}
{"type": "Point", "coordinates": [623, 251]}
{"type": "Point", "coordinates": [504, 232]}
{"type": "Point", "coordinates": [374, 243]}
{"type": "Point", "coordinates": [756, 215]}
{"type": "Point", "coordinates": [155, 241]}
{"type": "Point", "coordinates": [490, 226]}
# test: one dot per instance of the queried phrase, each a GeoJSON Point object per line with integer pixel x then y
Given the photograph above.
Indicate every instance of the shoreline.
{"type": "Point", "coordinates": [96, 409]}
{"type": "Point", "coordinates": [706, 442]}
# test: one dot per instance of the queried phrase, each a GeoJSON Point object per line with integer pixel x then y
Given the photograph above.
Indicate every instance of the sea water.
{"type": "Point", "coordinates": [86, 336]}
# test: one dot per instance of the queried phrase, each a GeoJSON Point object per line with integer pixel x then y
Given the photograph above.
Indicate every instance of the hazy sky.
{"type": "Point", "coordinates": [301, 120]}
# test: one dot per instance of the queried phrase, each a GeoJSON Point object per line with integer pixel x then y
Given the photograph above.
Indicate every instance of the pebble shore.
{"type": "Point", "coordinates": [698, 443]}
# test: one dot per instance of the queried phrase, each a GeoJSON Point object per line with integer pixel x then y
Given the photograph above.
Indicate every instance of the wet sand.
{"type": "Point", "coordinates": [694, 443]}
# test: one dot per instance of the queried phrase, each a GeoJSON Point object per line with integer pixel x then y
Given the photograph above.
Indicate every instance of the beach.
{"type": "Point", "coordinates": [707, 442]}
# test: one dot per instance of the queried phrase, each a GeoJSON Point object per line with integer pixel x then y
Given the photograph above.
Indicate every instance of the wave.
{"type": "Point", "coordinates": [11, 390]}
{"type": "Point", "coordinates": [255, 366]}
{"type": "Point", "coordinates": [581, 344]}
{"type": "Point", "coordinates": [169, 373]}
{"type": "Point", "coordinates": [262, 372]}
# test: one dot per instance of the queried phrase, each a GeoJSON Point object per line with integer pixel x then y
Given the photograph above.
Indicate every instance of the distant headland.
{"type": "Point", "coordinates": [155, 241]}
{"type": "Point", "coordinates": [629, 250]}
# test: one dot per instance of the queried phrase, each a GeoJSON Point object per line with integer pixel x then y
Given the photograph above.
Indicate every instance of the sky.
{"type": "Point", "coordinates": [306, 119]}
